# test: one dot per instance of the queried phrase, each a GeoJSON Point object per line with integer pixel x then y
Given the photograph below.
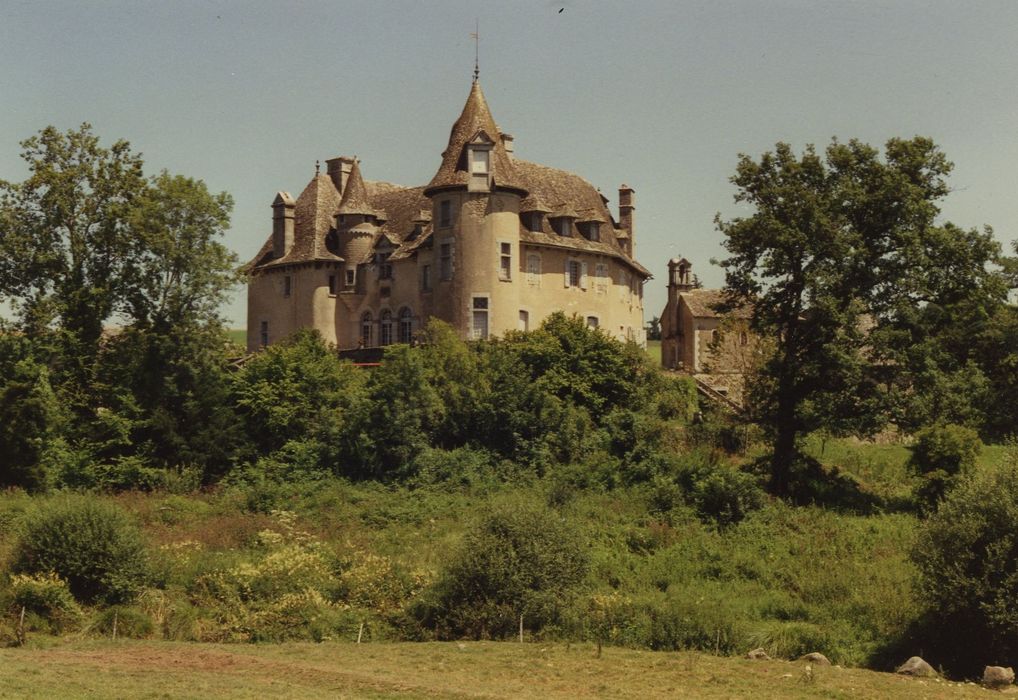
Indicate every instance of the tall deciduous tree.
{"type": "Point", "coordinates": [65, 235]}
{"type": "Point", "coordinates": [180, 272]}
{"type": "Point", "coordinates": [848, 270]}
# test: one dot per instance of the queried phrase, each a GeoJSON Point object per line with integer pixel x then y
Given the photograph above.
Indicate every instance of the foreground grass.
{"type": "Point", "coordinates": [449, 670]}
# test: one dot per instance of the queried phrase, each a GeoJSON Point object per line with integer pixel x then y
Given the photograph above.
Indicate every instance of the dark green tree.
{"type": "Point", "coordinates": [30, 416]}
{"type": "Point", "coordinates": [846, 268]}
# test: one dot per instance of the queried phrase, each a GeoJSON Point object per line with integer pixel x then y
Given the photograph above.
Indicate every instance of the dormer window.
{"type": "Point", "coordinates": [479, 162]}
{"type": "Point", "coordinates": [591, 230]}
{"type": "Point", "coordinates": [534, 221]}
{"type": "Point", "coordinates": [563, 225]}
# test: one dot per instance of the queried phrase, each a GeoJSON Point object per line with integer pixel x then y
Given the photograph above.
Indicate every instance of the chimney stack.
{"type": "Point", "coordinates": [626, 208]}
{"type": "Point", "coordinates": [282, 224]}
{"type": "Point", "coordinates": [338, 170]}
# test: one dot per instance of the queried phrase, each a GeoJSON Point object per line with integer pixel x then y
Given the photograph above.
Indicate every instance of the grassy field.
{"type": "Point", "coordinates": [654, 350]}
{"type": "Point", "coordinates": [238, 336]}
{"type": "Point", "coordinates": [432, 670]}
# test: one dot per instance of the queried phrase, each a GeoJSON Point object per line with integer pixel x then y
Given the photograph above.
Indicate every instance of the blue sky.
{"type": "Point", "coordinates": [660, 95]}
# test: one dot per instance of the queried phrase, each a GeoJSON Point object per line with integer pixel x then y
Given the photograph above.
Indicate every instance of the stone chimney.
{"type": "Point", "coordinates": [338, 170]}
{"type": "Point", "coordinates": [507, 144]}
{"type": "Point", "coordinates": [282, 224]}
{"type": "Point", "coordinates": [626, 208]}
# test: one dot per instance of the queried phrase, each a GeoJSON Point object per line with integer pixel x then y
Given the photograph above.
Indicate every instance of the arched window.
{"type": "Point", "coordinates": [366, 325]}
{"type": "Point", "coordinates": [406, 325]}
{"type": "Point", "coordinates": [385, 336]}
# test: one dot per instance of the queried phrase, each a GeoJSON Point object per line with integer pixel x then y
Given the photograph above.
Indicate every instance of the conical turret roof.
{"type": "Point", "coordinates": [475, 118]}
{"type": "Point", "coordinates": [355, 194]}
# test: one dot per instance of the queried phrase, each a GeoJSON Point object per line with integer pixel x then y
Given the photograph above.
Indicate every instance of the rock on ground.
{"type": "Point", "coordinates": [758, 655]}
{"type": "Point", "coordinates": [916, 667]}
{"type": "Point", "coordinates": [815, 657]}
{"type": "Point", "coordinates": [998, 676]}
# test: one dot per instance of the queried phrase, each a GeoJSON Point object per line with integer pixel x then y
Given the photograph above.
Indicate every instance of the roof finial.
{"type": "Point", "coordinates": [318, 167]}
{"type": "Point", "coordinates": [476, 36]}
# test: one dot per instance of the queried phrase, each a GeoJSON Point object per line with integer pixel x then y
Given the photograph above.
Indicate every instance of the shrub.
{"type": "Point", "coordinates": [92, 545]}
{"type": "Point", "coordinates": [968, 570]}
{"type": "Point", "coordinates": [48, 603]}
{"type": "Point", "coordinates": [521, 559]}
{"type": "Point", "coordinates": [941, 454]}
{"type": "Point", "coordinates": [129, 622]}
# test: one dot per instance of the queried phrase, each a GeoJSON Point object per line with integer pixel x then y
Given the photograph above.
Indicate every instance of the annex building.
{"type": "Point", "coordinates": [491, 244]}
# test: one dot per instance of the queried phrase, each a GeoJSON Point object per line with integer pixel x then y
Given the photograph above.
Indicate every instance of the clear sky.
{"type": "Point", "coordinates": [660, 95]}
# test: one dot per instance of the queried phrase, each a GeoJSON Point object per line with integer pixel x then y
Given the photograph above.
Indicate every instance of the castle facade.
{"type": "Point", "coordinates": [491, 244]}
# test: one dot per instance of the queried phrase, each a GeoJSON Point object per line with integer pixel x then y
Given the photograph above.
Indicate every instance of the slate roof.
{"type": "Point", "coordinates": [313, 217]}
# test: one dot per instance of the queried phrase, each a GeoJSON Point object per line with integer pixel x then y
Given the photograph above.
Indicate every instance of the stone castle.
{"type": "Point", "coordinates": [491, 244]}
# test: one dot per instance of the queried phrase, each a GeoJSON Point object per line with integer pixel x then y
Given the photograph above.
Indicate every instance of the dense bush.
{"type": "Point", "coordinates": [46, 601]}
{"type": "Point", "coordinates": [519, 560]}
{"type": "Point", "coordinates": [967, 555]}
{"type": "Point", "coordinates": [94, 546]}
{"type": "Point", "coordinates": [940, 455]}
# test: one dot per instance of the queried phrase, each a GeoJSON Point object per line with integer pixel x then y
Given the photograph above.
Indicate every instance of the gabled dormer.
{"type": "Point", "coordinates": [478, 153]}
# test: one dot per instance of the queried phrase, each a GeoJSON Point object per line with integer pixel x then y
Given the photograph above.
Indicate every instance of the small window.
{"type": "Point", "coordinates": [479, 160]}
{"type": "Point", "coordinates": [445, 260]}
{"type": "Point", "coordinates": [366, 326]}
{"type": "Point", "coordinates": [445, 213]}
{"type": "Point", "coordinates": [479, 324]}
{"type": "Point", "coordinates": [601, 275]}
{"type": "Point", "coordinates": [332, 285]}
{"type": "Point", "coordinates": [592, 321]}
{"type": "Point", "coordinates": [384, 266]}
{"type": "Point", "coordinates": [591, 230]}
{"type": "Point", "coordinates": [350, 278]}
{"type": "Point", "coordinates": [505, 261]}
{"type": "Point", "coordinates": [524, 320]}
{"type": "Point", "coordinates": [385, 328]}
{"type": "Point", "coordinates": [564, 226]}
{"type": "Point", "coordinates": [534, 269]}
{"type": "Point", "coordinates": [426, 278]}
{"type": "Point", "coordinates": [573, 273]}
{"type": "Point", "coordinates": [287, 285]}
{"type": "Point", "coordinates": [715, 336]}
{"type": "Point", "coordinates": [406, 325]}
{"type": "Point", "coordinates": [534, 221]}
{"type": "Point", "coordinates": [265, 333]}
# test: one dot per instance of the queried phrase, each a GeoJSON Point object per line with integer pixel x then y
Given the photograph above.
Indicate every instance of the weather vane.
{"type": "Point", "coordinates": [476, 36]}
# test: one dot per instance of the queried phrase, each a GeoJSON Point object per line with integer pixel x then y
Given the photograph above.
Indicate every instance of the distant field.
{"type": "Point", "coordinates": [654, 350]}
{"type": "Point", "coordinates": [238, 335]}
{"type": "Point", "coordinates": [429, 670]}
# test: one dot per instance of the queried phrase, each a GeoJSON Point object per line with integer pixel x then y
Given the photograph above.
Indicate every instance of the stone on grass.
{"type": "Point", "coordinates": [815, 657]}
{"type": "Point", "coordinates": [758, 654]}
{"type": "Point", "coordinates": [997, 676]}
{"type": "Point", "coordinates": [916, 667]}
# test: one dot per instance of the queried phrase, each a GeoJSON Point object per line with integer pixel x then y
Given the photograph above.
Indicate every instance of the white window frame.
{"type": "Point", "coordinates": [486, 311]}
{"type": "Point", "coordinates": [505, 260]}
{"type": "Point", "coordinates": [524, 320]}
{"type": "Point", "coordinates": [385, 327]}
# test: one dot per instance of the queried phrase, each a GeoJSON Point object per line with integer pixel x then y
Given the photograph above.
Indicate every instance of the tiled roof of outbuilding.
{"type": "Point", "coordinates": [475, 117]}
{"type": "Point", "coordinates": [703, 303]}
